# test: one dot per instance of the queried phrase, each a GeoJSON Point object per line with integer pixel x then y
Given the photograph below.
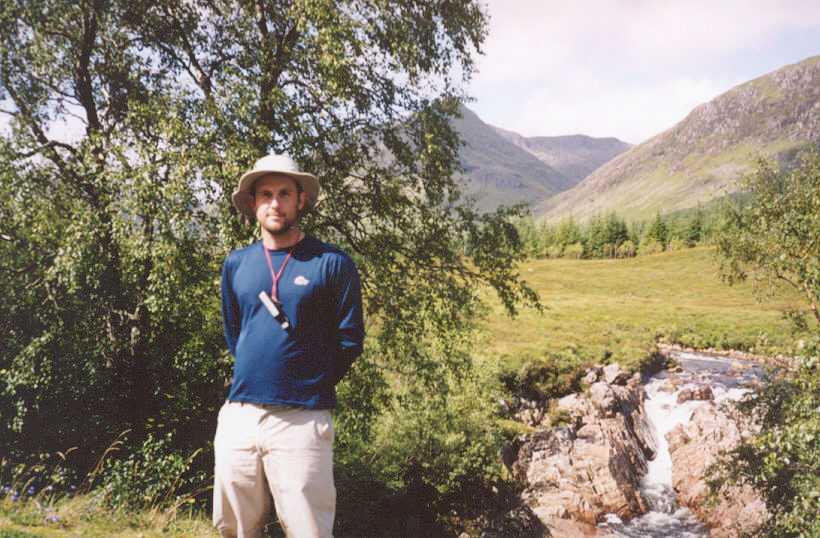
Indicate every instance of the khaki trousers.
{"type": "Point", "coordinates": [266, 451]}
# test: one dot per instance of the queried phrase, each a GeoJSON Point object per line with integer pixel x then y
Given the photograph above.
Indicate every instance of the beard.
{"type": "Point", "coordinates": [281, 226]}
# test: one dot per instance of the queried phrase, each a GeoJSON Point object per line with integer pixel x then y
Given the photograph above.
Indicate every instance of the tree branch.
{"type": "Point", "coordinates": [82, 76]}
{"type": "Point", "coordinates": [202, 78]}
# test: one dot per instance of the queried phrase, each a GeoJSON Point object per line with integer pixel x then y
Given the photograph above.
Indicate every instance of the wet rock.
{"type": "Point", "coordinates": [693, 448]}
{"type": "Point", "coordinates": [677, 437]}
{"type": "Point", "coordinates": [576, 474]}
{"type": "Point", "coordinates": [696, 393]}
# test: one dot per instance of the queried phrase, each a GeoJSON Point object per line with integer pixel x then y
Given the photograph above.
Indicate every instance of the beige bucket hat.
{"type": "Point", "coordinates": [273, 164]}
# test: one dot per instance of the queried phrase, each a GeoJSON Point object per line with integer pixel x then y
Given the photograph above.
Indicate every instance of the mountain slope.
{"type": "Point", "coordinates": [700, 158]}
{"type": "Point", "coordinates": [574, 156]}
{"type": "Point", "coordinates": [497, 172]}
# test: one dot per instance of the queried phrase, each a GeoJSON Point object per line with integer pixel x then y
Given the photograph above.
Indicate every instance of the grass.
{"type": "Point", "coordinates": [81, 516]}
{"type": "Point", "coordinates": [615, 310]}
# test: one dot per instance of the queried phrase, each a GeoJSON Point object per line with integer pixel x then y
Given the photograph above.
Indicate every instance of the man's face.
{"type": "Point", "coordinates": [277, 203]}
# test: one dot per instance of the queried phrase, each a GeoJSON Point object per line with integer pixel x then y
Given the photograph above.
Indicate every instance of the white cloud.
{"type": "Point", "coordinates": [627, 68]}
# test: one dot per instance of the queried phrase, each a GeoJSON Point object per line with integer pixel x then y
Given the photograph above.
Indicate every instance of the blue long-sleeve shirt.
{"type": "Point", "coordinates": [320, 294]}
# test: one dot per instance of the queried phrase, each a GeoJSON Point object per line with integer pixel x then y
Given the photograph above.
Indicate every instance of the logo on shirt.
{"type": "Point", "coordinates": [301, 281]}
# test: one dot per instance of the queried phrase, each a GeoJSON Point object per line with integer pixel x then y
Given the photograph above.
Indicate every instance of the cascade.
{"type": "Point", "coordinates": [665, 518]}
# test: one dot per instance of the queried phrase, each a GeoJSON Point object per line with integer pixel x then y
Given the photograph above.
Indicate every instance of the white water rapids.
{"type": "Point", "coordinates": [665, 518]}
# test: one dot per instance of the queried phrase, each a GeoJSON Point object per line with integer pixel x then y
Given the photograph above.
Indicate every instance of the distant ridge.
{"type": "Point", "coordinates": [700, 158]}
{"type": "Point", "coordinates": [503, 168]}
{"type": "Point", "coordinates": [574, 156]}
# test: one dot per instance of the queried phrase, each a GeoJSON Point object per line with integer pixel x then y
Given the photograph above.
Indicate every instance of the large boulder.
{"type": "Point", "coordinates": [576, 474]}
{"type": "Point", "coordinates": [693, 448]}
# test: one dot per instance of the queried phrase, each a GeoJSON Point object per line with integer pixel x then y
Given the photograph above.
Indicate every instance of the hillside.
{"type": "Point", "coordinates": [503, 167]}
{"type": "Point", "coordinates": [700, 158]}
{"type": "Point", "coordinates": [497, 172]}
{"type": "Point", "coordinates": [574, 156]}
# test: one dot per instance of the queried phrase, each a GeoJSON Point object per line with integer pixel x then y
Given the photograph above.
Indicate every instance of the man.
{"type": "Point", "coordinates": [292, 313]}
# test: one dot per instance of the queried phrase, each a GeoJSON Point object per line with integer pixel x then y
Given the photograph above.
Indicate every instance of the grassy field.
{"type": "Point", "coordinates": [620, 308]}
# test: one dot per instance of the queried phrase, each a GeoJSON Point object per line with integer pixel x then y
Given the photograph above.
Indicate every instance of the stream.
{"type": "Point", "coordinates": [665, 518]}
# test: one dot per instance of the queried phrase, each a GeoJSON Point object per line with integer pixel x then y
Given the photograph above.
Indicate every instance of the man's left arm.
{"type": "Point", "coordinates": [349, 320]}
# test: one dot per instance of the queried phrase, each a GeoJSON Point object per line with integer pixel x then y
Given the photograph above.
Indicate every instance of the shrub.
{"type": "Point", "coordinates": [574, 251]}
{"type": "Point", "coordinates": [151, 475]}
{"type": "Point", "coordinates": [783, 462]}
{"type": "Point", "coordinates": [650, 246]}
{"type": "Point", "coordinates": [439, 453]}
{"type": "Point", "coordinates": [677, 244]}
{"type": "Point", "coordinates": [626, 249]}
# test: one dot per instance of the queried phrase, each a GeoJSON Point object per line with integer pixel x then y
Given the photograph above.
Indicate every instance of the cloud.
{"type": "Point", "coordinates": [623, 68]}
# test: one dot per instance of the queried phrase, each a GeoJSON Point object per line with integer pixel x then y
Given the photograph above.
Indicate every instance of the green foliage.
{"type": "Point", "coordinates": [441, 451]}
{"type": "Point", "coordinates": [626, 249]}
{"type": "Point", "coordinates": [611, 236]}
{"type": "Point", "coordinates": [677, 244]}
{"type": "Point", "coordinates": [153, 474]}
{"type": "Point", "coordinates": [657, 231]}
{"type": "Point", "coordinates": [694, 232]}
{"type": "Point", "coordinates": [775, 238]}
{"type": "Point", "coordinates": [573, 251]}
{"type": "Point", "coordinates": [650, 245]}
{"type": "Point", "coordinates": [783, 461]}
{"type": "Point", "coordinates": [543, 378]}
{"type": "Point", "coordinates": [113, 229]}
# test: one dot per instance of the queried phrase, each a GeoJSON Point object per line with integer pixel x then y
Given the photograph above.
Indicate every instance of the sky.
{"type": "Point", "coordinates": [628, 68]}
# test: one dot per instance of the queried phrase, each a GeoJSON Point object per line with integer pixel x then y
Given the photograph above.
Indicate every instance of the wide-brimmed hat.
{"type": "Point", "coordinates": [273, 164]}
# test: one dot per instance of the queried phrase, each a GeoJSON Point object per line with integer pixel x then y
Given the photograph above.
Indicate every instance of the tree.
{"type": "Point", "coordinates": [658, 231]}
{"type": "Point", "coordinates": [129, 123]}
{"type": "Point", "coordinates": [775, 239]}
{"type": "Point", "coordinates": [694, 231]}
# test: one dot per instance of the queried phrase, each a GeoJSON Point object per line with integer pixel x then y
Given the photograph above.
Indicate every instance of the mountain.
{"type": "Point", "coordinates": [574, 156]}
{"type": "Point", "coordinates": [503, 167]}
{"type": "Point", "coordinates": [700, 158]}
{"type": "Point", "coordinates": [497, 172]}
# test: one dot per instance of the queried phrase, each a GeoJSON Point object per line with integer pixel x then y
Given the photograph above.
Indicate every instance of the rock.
{"type": "Point", "coordinates": [668, 386]}
{"type": "Point", "coordinates": [696, 393]}
{"type": "Point", "coordinates": [693, 448]}
{"type": "Point", "coordinates": [566, 528]}
{"type": "Point", "coordinates": [592, 375]}
{"type": "Point", "coordinates": [677, 437]}
{"type": "Point", "coordinates": [614, 375]}
{"type": "Point", "coordinates": [576, 474]}
{"type": "Point", "coordinates": [574, 404]}
{"type": "Point", "coordinates": [603, 398]}
{"type": "Point", "coordinates": [531, 412]}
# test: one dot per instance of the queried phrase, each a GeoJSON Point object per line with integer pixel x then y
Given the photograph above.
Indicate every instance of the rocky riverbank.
{"type": "Point", "coordinates": [586, 470]}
